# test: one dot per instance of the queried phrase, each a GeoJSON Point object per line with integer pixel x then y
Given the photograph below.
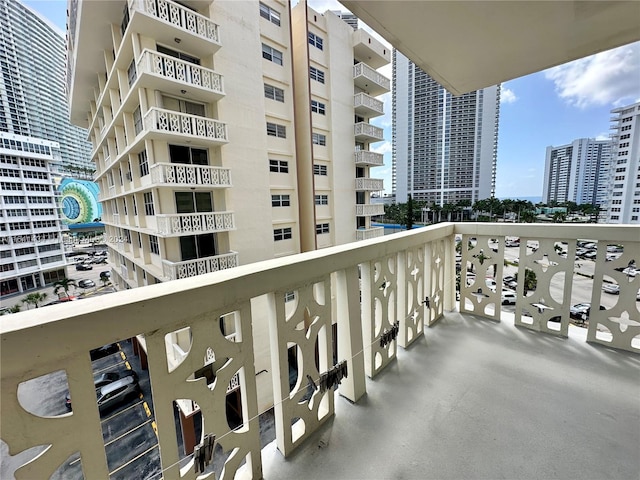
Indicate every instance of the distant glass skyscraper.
{"type": "Point", "coordinates": [444, 147]}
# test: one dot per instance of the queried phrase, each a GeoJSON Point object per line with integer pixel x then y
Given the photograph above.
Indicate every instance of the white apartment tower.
{"type": "Point", "coordinates": [444, 146]}
{"type": "Point", "coordinates": [577, 172]}
{"type": "Point", "coordinates": [206, 154]}
{"type": "Point", "coordinates": [623, 194]}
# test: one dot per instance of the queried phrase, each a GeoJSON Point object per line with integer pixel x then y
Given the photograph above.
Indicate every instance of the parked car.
{"type": "Point", "coordinates": [508, 297]}
{"type": "Point", "coordinates": [110, 377]}
{"type": "Point", "coordinates": [591, 254]}
{"type": "Point", "coordinates": [508, 279]}
{"type": "Point", "coordinates": [61, 300]}
{"type": "Point", "coordinates": [612, 288]}
{"type": "Point", "coordinates": [104, 351]}
{"type": "Point", "coordinates": [86, 284]}
{"type": "Point", "coordinates": [117, 392]}
{"type": "Point", "coordinates": [83, 266]}
{"type": "Point", "coordinates": [106, 274]}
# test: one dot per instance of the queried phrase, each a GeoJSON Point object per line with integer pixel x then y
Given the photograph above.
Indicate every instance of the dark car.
{"type": "Point", "coordinates": [105, 274]}
{"type": "Point", "coordinates": [104, 351]}
{"type": "Point", "coordinates": [83, 266]}
{"type": "Point", "coordinates": [86, 284]}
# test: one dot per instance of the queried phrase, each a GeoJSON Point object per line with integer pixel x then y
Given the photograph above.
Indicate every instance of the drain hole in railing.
{"type": "Point", "coordinates": [46, 396]}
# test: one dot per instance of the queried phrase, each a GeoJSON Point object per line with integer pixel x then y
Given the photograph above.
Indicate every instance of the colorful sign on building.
{"type": "Point", "coordinates": [79, 202]}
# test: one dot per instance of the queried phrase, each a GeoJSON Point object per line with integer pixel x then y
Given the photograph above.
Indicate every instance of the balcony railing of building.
{"type": "Point", "coordinates": [177, 174]}
{"type": "Point", "coordinates": [381, 294]}
{"type": "Point", "coordinates": [368, 233]}
{"type": "Point", "coordinates": [370, 80]}
{"type": "Point", "coordinates": [369, 210]}
{"type": "Point", "coordinates": [365, 132]}
{"type": "Point", "coordinates": [369, 184]}
{"type": "Point", "coordinates": [367, 106]}
{"type": "Point", "coordinates": [173, 69]}
{"type": "Point", "coordinates": [184, 124]}
{"type": "Point", "coordinates": [194, 223]}
{"type": "Point", "coordinates": [366, 157]}
{"type": "Point", "coordinates": [199, 266]}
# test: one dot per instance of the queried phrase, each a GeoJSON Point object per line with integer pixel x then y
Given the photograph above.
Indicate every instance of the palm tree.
{"type": "Point", "coordinates": [14, 309]}
{"type": "Point", "coordinates": [34, 298]}
{"type": "Point", "coordinates": [65, 285]}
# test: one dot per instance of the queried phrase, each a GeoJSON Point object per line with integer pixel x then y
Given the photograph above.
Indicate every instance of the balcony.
{"type": "Point", "coordinates": [365, 184]}
{"type": "Point", "coordinates": [369, 210]}
{"type": "Point", "coordinates": [165, 73]}
{"type": "Point", "coordinates": [199, 266]}
{"type": "Point", "coordinates": [481, 380]}
{"type": "Point", "coordinates": [365, 132]}
{"type": "Point", "coordinates": [179, 127]}
{"type": "Point", "coordinates": [368, 158]}
{"type": "Point", "coordinates": [166, 21]}
{"type": "Point", "coordinates": [183, 175]}
{"type": "Point", "coordinates": [369, 50]}
{"type": "Point", "coordinates": [367, 106]}
{"type": "Point", "coordinates": [367, 233]}
{"type": "Point", "coordinates": [369, 80]}
{"type": "Point", "coordinates": [194, 223]}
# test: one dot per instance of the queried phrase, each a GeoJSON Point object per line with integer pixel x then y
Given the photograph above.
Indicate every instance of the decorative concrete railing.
{"type": "Point", "coordinates": [178, 16]}
{"type": "Point", "coordinates": [185, 174]}
{"type": "Point", "coordinates": [380, 293]}
{"type": "Point", "coordinates": [182, 71]}
{"type": "Point", "coordinates": [368, 130]}
{"type": "Point", "coordinates": [367, 233]}
{"type": "Point", "coordinates": [196, 223]}
{"type": "Point", "coordinates": [364, 70]}
{"type": "Point", "coordinates": [367, 157]}
{"type": "Point", "coordinates": [160, 119]}
{"type": "Point", "coordinates": [199, 266]}
{"type": "Point", "coordinates": [371, 103]}
{"type": "Point", "coordinates": [369, 210]}
{"type": "Point", "coordinates": [369, 184]}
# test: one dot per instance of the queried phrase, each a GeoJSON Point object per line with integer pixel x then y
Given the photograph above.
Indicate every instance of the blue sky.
{"type": "Point", "coordinates": [553, 107]}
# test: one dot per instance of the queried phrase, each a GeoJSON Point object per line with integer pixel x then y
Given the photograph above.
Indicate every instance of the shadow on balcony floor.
{"type": "Point", "coordinates": [477, 399]}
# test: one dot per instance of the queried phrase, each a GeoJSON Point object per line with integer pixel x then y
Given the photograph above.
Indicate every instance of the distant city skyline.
{"type": "Point", "coordinates": [552, 107]}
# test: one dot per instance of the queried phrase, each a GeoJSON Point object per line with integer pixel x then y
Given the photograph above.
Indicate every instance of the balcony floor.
{"type": "Point", "coordinates": [478, 399]}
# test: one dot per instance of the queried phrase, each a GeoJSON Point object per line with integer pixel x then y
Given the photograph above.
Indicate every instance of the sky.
{"type": "Point", "coordinates": [553, 107]}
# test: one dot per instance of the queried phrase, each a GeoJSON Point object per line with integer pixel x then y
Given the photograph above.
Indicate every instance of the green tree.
{"type": "Point", "coordinates": [14, 309]}
{"type": "Point", "coordinates": [448, 209]}
{"type": "Point", "coordinates": [530, 280]}
{"type": "Point", "coordinates": [559, 217]}
{"type": "Point", "coordinates": [64, 285]}
{"type": "Point", "coordinates": [410, 213]}
{"type": "Point", "coordinates": [34, 298]}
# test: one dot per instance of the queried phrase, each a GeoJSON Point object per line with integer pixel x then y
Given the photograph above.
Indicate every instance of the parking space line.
{"type": "Point", "coordinates": [146, 408]}
{"type": "Point", "coordinates": [133, 459]}
{"type": "Point", "coordinates": [128, 365]}
{"type": "Point", "coordinates": [121, 411]}
{"type": "Point", "coordinates": [126, 433]}
{"type": "Point", "coordinates": [155, 427]}
{"type": "Point", "coordinates": [107, 368]}
{"type": "Point", "coordinates": [124, 357]}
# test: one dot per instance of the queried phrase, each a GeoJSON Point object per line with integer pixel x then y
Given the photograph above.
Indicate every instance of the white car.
{"type": "Point", "coordinates": [508, 297]}
{"type": "Point", "coordinates": [612, 288]}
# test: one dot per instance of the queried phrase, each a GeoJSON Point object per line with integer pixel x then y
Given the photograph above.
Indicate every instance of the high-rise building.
{"type": "Point", "coordinates": [349, 18]}
{"type": "Point", "coordinates": [577, 172]}
{"type": "Point", "coordinates": [623, 194]}
{"type": "Point", "coordinates": [444, 146]}
{"type": "Point", "coordinates": [206, 155]}
{"type": "Point", "coordinates": [36, 142]}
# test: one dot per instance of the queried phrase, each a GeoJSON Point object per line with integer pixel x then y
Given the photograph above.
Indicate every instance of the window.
{"type": "Point", "coordinates": [322, 228]}
{"type": "Point", "coordinates": [322, 199]}
{"type": "Point", "coordinates": [131, 73]}
{"type": "Point", "coordinates": [315, 74]}
{"type": "Point", "coordinates": [320, 169]}
{"type": "Point", "coordinates": [318, 107]}
{"type": "Point", "coordinates": [289, 296]}
{"type": "Point", "coordinates": [315, 40]}
{"type": "Point", "coordinates": [279, 166]}
{"type": "Point", "coordinates": [187, 155]}
{"type": "Point", "coordinates": [275, 130]}
{"type": "Point", "coordinates": [282, 234]}
{"type": "Point", "coordinates": [280, 201]}
{"type": "Point", "coordinates": [148, 203]}
{"type": "Point", "coordinates": [173, 53]}
{"type": "Point", "coordinates": [319, 139]}
{"type": "Point", "coordinates": [270, 14]}
{"type": "Point", "coordinates": [271, 54]}
{"type": "Point", "coordinates": [193, 202]}
{"type": "Point", "coordinates": [274, 93]}
{"type": "Point", "coordinates": [198, 246]}
{"type": "Point", "coordinates": [137, 120]}
{"type": "Point", "coordinates": [153, 244]}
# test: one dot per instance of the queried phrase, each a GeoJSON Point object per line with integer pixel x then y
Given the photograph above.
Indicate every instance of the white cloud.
{"type": "Point", "coordinates": [603, 136]}
{"type": "Point", "coordinates": [507, 96]}
{"type": "Point", "coordinates": [607, 78]}
{"type": "Point", "coordinates": [384, 147]}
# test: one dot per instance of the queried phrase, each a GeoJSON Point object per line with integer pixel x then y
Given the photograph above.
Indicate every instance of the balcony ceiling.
{"type": "Point", "coordinates": [468, 45]}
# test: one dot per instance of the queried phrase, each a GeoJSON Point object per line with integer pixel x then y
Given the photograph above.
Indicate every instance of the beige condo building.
{"type": "Point", "coordinates": [225, 133]}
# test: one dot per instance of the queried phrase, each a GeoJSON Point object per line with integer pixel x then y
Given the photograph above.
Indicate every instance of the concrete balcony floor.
{"type": "Point", "coordinates": [483, 400]}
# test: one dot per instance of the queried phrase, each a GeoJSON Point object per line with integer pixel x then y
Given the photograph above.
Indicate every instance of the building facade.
{"type": "Point", "coordinates": [577, 172]}
{"type": "Point", "coordinates": [444, 146]}
{"type": "Point", "coordinates": [623, 193]}
{"type": "Point", "coordinates": [37, 143]}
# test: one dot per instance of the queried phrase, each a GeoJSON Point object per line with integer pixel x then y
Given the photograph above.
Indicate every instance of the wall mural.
{"type": "Point", "coordinates": [79, 202]}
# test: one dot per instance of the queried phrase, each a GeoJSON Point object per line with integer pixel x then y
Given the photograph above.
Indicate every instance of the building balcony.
{"type": "Point", "coordinates": [367, 106]}
{"type": "Point", "coordinates": [369, 80]}
{"type": "Point", "coordinates": [157, 71]}
{"type": "Point", "coordinates": [365, 132]}
{"type": "Point", "coordinates": [368, 158]}
{"type": "Point", "coordinates": [194, 223]}
{"type": "Point", "coordinates": [510, 376]}
{"type": "Point", "coordinates": [366, 184]}
{"type": "Point", "coordinates": [183, 175]}
{"type": "Point", "coordinates": [367, 233]}
{"type": "Point", "coordinates": [369, 210]}
{"type": "Point", "coordinates": [179, 127]}
{"type": "Point", "coordinates": [369, 50]}
{"type": "Point", "coordinates": [167, 21]}
{"type": "Point", "coordinates": [199, 266]}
